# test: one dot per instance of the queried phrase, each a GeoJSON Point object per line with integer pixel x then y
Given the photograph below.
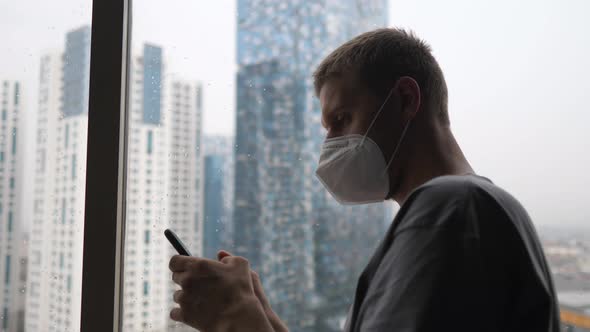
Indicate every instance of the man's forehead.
{"type": "Point", "coordinates": [336, 90]}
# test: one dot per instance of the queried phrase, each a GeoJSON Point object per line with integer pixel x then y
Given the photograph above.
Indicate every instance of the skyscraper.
{"type": "Point", "coordinates": [55, 272]}
{"type": "Point", "coordinates": [218, 190]}
{"type": "Point", "coordinates": [11, 177]}
{"type": "Point", "coordinates": [278, 201]}
{"type": "Point", "coordinates": [146, 282]}
{"type": "Point", "coordinates": [185, 187]}
{"type": "Point", "coordinates": [164, 187]}
{"type": "Point", "coordinates": [185, 213]}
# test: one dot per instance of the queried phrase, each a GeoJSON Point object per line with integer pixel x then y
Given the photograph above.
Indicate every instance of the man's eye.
{"type": "Point", "coordinates": [339, 120]}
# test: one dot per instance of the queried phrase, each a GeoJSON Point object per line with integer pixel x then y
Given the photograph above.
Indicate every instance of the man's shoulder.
{"type": "Point", "coordinates": [454, 197]}
{"type": "Point", "coordinates": [462, 188]}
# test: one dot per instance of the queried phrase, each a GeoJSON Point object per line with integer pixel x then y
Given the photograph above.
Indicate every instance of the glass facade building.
{"type": "Point", "coordinates": [279, 204]}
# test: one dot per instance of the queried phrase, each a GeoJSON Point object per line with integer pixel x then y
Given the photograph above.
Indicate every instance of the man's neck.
{"type": "Point", "coordinates": [431, 158]}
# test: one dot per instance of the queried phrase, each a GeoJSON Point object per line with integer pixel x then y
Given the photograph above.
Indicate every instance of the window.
{"type": "Point", "coordinates": [74, 166]}
{"type": "Point", "coordinates": [10, 221]}
{"type": "Point", "coordinates": [16, 93]}
{"type": "Point", "coordinates": [7, 275]}
{"type": "Point", "coordinates": [150, 141]}
{"type": "Point", "coordinates": [244, 178]}
{"type": "Point", "coordinates": [67, 139]}
{"type": "Point", "coordinates": [63, 211]}
{"type": "Point", "coordinates": [5, 318]}
{"type": "Point", "coordinates": [14, 141]}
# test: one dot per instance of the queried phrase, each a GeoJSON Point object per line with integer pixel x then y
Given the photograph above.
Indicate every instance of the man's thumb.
{"type": "Point", "coordinates": [221, 254]}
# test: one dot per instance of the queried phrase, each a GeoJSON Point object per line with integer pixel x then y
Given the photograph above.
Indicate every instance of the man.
{"type": "Point", "coordinates": [461, 254]}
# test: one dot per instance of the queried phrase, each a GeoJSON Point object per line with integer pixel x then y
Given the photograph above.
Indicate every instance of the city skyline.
{"type": "Point", "coordinates": [535, 91]}
{"type": "Point", "coordinates": [525, 130]}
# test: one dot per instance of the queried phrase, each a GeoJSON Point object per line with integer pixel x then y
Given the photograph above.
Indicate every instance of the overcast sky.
{"type": "Point", "coordinates": [518, 74]}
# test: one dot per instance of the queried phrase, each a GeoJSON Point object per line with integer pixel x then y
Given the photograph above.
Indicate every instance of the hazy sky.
{"type": "Point", "coordinates": [518, 74]}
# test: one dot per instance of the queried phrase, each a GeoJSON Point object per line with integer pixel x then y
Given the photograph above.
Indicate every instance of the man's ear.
{"type": "Point", "coordinates": [409, 94]}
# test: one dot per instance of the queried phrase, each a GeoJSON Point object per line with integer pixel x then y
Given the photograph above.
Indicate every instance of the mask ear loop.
{"type": "Point", "coordinates": [400, 139]}
{"type": "Point", "coordinates": [399, 143]}
{"type": "Point", "coordinates": [376, 116]}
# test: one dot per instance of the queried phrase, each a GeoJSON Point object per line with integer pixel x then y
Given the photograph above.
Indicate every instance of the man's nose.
{"type": "Point", "coordinates": [334, 133]}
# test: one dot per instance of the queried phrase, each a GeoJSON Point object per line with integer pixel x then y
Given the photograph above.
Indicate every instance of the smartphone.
{"type": "Point", "coordinates": [176, 243]}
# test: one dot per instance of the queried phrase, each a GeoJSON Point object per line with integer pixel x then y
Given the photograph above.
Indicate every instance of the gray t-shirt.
{"type": "Point", "coordinates": [461, 255]}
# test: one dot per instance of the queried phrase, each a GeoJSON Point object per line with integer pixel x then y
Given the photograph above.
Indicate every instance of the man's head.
{"type": "Point", "coordinates": [353, 82]}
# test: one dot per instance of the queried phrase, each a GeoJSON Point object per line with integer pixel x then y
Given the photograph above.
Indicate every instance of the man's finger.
{"type": "Point", "coordinates": [179, 263]}
{"type": "Point", "coordinates": [181, 279]}
{"type": "Point", "coordinates": [221, 254]}
{"type": "Point", "coordinates": [176, 314]}
{"type": "Point", "coordinates": [178, 295]}
{"type": "Point", "coordinates": [258, 290]}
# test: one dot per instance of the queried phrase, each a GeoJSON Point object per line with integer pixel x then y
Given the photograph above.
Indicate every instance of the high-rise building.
{"type": "Point", "coordinates": [55, 270]}
{"type": "Point", "coordinates": [48, 113]}
{"type": "Point", "coordinates": [185, 188]}
{"type": "Point", "coordinates": [278, 200]}
{"type": "Point", "coordinates": [218, 190]}
{"type": "Point", "coordinates": [164, 187]}
{"type": "Point", "coordinates": [145, 281]}
{"type": "Point", "coordinates": [185, 213]}
{"type": "Point", "coordinates": [11, 177]}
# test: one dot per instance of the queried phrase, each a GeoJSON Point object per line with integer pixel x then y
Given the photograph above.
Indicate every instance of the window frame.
{"type": "Point", "coordinates": [104, 214]}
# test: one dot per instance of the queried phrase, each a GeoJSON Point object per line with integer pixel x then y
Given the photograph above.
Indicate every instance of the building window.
{"type": "Point", "coordinates": [13, 141]}
{"type": "Point", "coordinates": [16, 93]}
{"type": "Point", "coordinates": [73, 166]}
{"type": "Point", "coordinates": [11, 183]}
{"type": "Point", "coordinates": [67, 139]}
{"type": "Point", "coordinates": [152, 84]}
{"type": "Point", "coordinates": [3, 114]}
{"type": "Point", "coordinates": [150, 138]}
{"type": "Point", "coordinates": [69, 283]}
{"type": "Point", "coordinates": [147, 237]}
{"type": "Point", "coordinates": [146, 287]}
{"type": "Point", "coordinates": [63, 211]}
{"type": "Point", "coordinates": [1, 156]}
{"type": "Point", "coordinates": [61, 260]}
{"type": "Point", "coordinates": [7, 277]}
{"type": "Point", "coordinates": [9, 221]}
{"type": "Point", "coordinates": [5, 320]}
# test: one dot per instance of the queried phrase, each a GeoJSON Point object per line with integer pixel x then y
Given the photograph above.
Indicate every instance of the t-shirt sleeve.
{"type": "Point", "coordinates": [429, 280]}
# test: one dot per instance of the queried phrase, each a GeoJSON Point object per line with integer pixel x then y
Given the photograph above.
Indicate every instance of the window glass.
{"type": "Point", "coordinates": [225, 135]}
{"type": "Point", "coordinates": [44, 78]}
{"type": "Point", "coordinates": [517, 120]}
{"type": "Point", "coordinates": [233, 136]}
{"type": "Point", "coordinates": [225, 93]}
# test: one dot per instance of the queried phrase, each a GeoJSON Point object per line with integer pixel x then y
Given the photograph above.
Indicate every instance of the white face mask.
{"type": "Point", "coordinates": [352, 167]}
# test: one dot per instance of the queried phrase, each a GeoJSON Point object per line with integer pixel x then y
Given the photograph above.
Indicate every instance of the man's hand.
{"type": "Point", "coordinates": [275, 321]}
{"type": "Point", "coordinates": [216, 296]}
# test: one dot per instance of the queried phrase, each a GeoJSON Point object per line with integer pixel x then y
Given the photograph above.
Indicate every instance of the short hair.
{"type": "Point", "coordinates": [382, 56]}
